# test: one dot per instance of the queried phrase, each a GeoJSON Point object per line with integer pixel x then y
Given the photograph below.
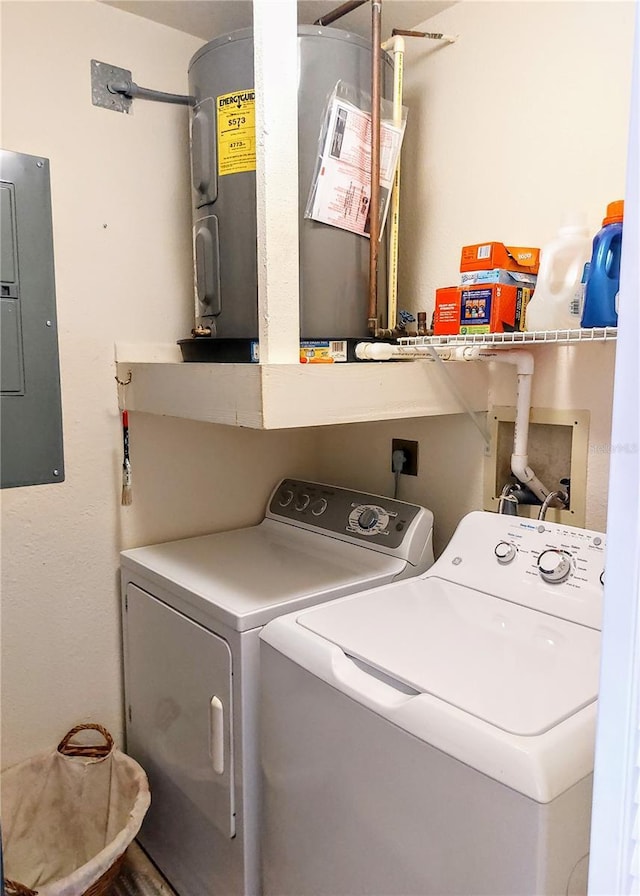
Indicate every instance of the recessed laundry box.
{"type": "Point", "coordinates": [438, 738]}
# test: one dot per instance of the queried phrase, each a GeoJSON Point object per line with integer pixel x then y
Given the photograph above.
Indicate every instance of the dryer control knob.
{"type": "Point", "coordinates": [286, 498]}
{"type": "Point", "coordinates": [505, 552]}
{"type": "Point", "coordinates": [368, 518]}
{"type": "Point", "coordinates": [318, 507]}
{"type": "Point", "coordinates": [554, 566]}
{"type": "Point", "coordinates": [303, 502]}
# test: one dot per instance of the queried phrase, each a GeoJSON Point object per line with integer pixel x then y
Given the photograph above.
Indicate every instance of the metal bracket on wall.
{"type": "Point", "coordinates": [102, 75]}
{"type": "Point", "coordinates": [112, 88]}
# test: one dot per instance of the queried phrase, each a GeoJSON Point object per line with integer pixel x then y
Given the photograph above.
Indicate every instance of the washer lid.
{"type": "Point", "coordinates": [517, 669]}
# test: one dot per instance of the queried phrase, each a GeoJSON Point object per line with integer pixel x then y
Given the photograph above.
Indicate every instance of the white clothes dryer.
{"type": "Point", "coordinates": [192, 613]}
{"type": "Point", "coordinates": [437, 737]}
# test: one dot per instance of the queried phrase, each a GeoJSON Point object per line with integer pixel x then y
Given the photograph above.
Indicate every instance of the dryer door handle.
{"type": "Point", "coordinates": [216, 734]}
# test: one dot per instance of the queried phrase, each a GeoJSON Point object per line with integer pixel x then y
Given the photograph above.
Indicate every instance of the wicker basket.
{"type": "Point", "coordinates": [102, 885]}
{"type": "Point", "coordinates": [100, 888]}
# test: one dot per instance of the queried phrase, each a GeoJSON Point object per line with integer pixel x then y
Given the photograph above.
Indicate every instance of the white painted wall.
{"type": "Point", "coordinates": [122, 239]}
{"type": "Point", "coordinates": [560, 140]}
{"type": "Point", "coordinates": [450, 465]}
{"type": "Point", "coordinates": [524, 117]}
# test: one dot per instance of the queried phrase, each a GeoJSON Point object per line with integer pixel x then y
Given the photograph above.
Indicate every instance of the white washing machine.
{"type": "Point", "coordinates": [192, 614]}
{"type": "Point", "coordinates": [437, 736]}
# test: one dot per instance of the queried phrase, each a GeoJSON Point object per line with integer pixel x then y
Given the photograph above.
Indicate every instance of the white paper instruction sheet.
{"type": "Point", "coordinates": [341, 191]}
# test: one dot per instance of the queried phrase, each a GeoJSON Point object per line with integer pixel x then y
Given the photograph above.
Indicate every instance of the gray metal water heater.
{"type": "Point", "coordinates": [334, 263]}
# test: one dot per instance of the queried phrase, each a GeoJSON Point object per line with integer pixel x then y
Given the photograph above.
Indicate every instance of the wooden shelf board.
{"type": "Point", "coordinates": [285, 396]}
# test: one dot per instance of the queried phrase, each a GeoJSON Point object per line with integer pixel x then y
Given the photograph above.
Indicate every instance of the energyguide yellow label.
{"type": "Point", "coordinates": [236, 114]}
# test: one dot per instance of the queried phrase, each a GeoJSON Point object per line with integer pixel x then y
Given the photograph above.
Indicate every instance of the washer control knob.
{"type": "Point", "coordinates": [505, 552]}
{"type": "Point", "coordinates": [318, 507]}
{"type": "Point", "coordinates": [285, 498]}
{"type": "Point", "coordinates": [303, 502]}
{"type": "Point", "coordinates": [369, 518]}
{"type": "Point", "coordinates": [554, 566]}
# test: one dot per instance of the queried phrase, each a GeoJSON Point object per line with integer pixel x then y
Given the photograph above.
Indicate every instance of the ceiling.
{"type": "Point", "coordinates": [209, 18]}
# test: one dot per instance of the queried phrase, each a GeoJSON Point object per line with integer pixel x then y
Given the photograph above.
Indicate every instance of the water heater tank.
{"type": "Point", "coordinates": [334, 263]}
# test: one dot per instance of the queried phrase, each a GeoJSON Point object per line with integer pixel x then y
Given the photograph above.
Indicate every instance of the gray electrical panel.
{"type": "Point", "coordinates": [30, 408]}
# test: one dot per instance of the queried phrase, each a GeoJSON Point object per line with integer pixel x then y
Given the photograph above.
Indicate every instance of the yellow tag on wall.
{"type": "Point", "coordinates": [236, 114]}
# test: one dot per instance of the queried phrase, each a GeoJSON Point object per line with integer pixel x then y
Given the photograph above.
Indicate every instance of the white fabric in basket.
{"type": "Point", "coordinates": [66, 819]}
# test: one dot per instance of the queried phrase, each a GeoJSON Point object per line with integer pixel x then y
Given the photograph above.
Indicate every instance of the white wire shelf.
{"type": "Point", "coordinates": [542, 337]}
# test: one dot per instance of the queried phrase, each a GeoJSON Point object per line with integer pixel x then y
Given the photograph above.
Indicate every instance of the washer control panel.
{"type": "Point", "coordinates": [546, 566]}
{"type": "Point", "coordinates": [372, 520]}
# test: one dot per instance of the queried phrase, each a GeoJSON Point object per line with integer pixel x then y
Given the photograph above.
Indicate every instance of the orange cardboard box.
{"type": "Point", "coordinates": [489, 308]}
{"type": "Point", "coordinates": [485, 256]}
{"type": "Point", "coordinates": [493, 308]}
{"type": "Point", "coordinates": [446, 318]}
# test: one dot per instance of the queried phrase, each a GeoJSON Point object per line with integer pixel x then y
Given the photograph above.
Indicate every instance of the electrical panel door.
{"type": "Point", "coordinates": [30, 408]}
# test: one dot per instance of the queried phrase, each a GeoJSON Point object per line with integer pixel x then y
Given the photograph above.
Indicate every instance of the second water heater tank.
{"type": "Point", "coordinates": [334, 263]}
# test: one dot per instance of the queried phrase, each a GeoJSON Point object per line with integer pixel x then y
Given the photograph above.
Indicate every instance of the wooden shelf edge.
{"type": "Point", "coordinates": [288, 396]}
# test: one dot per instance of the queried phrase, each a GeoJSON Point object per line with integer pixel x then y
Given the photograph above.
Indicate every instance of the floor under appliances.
{"type": "Point", "coordinates": [192, 614]}
{"type": "Point", "coordinates": [437, 737]}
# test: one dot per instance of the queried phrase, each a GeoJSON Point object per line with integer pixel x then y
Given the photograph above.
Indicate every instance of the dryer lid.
{"type": "Point", "coordinates": [246, 577]}
{"type": "Point", "coordinates": [517, 669]}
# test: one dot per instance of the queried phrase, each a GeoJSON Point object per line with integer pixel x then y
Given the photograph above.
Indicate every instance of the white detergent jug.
{"type": "Point", "coordinates": [556, 303]}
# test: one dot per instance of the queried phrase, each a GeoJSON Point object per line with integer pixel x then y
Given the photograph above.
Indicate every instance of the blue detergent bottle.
{"type": "Point", "coordinates": [603, 283]}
